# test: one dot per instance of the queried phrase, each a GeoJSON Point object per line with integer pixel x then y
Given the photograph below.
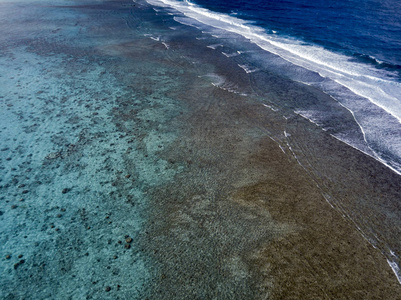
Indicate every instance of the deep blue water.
{"type": "Point", "coordinates": [369, 30]}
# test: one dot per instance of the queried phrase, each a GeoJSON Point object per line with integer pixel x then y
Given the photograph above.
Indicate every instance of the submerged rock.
{"type": "Point", "coordinates": [65, 190]}
{"type": "Point", "coordinates": [53, 155]}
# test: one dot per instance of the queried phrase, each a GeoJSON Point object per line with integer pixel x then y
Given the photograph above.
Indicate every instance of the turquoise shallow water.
{"type": "Point", "coordinates": [135, 163]}
{"type": "Point", "coordinates": [69, 199]}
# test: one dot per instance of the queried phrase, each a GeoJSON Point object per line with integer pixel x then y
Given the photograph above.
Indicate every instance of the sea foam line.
{"type": "Point", "coordinates": [215, 46]}
{"type": "Point", "coordinates": [231, 54]}
{"type": "Point", "coordinates": [396, 269]}
{"type": "Point", "coordinates": [248, 69]}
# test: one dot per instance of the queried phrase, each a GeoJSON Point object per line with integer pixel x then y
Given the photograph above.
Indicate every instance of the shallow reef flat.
{"type": "Point", "coordinates": [136, 163]}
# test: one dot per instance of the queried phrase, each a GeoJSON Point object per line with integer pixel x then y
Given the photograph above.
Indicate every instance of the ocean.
{"type": "Point", "coordinates": [165, 149]}
{"type": "Point", "coordinates": [367, 30]}
{"type": "Point", "coordinates": [348, 49]}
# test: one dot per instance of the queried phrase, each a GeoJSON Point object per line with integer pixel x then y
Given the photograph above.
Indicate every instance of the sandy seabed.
{"type": "Point", "coordinates": [128, 172]}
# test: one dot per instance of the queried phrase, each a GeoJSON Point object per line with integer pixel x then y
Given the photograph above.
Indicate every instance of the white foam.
{"type": "Point", "coordinates": [215, 46]}
{"type": "Point", "coordinates": [188, 2]}
{"type": "Point", "coordinates": [308, 116]}
{"type": "Point", "coordinates": [396, 269]}
{"type": "Point", "coordinates": [327, 198]}
{"type": "Point", "coordinates": [356, 121]}
{"type": "Point", "coordinates": [386, 163]}
{"type": "Point", "coordinates": [270, 107]}
{"type": "Point", "coordinates": [187, 21]}
{"type": "Point", "coordinates": [230, 54]}
{"type": "Point", "coordinates": [152, 37]}
{"type": "Point", "coordinates": [287, 135]}
{"type": "Point", "coordinates": [248, 69]}
{"type": "Point", "coordinates": [222, 83]}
